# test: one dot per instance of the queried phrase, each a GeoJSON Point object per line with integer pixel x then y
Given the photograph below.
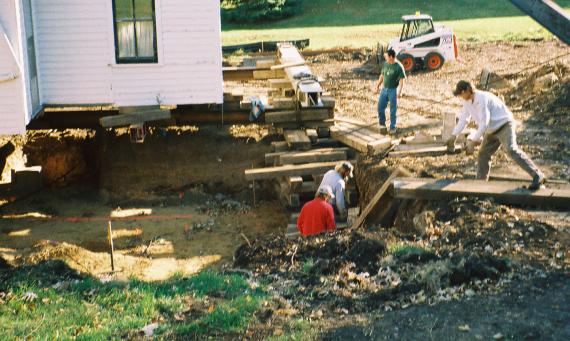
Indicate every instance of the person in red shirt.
{"type": "Point", "coordinates": [317, 215]}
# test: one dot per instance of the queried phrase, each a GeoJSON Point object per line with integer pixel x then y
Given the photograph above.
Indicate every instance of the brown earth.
{"type": "Point", "coordinates": [438, 257]}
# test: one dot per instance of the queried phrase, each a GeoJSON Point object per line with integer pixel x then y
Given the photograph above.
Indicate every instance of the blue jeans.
{"type": "Point", "coordinates": [388, 95]}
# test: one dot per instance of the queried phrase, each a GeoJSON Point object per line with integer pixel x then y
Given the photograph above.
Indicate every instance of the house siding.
{"type": "Point", "coordinates": [76, 54]}
{"type": "Point", "coordinates": [12, 108]}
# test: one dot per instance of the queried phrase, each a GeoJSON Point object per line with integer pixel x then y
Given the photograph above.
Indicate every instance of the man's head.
{"type": "Point", "coordinates": [391, 56]}
{"type": "Point", "coordinates": [464, 90]}
{"type": "Point", "coordinates": [345, 169]}
{"type": "Point", "coordinates": [325, 193]}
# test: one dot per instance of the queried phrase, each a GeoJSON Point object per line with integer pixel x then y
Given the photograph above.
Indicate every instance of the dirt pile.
{"type": "Point", "coordinates": [350, 271]}
{"type": "Point", "coordinates": [82, 260]}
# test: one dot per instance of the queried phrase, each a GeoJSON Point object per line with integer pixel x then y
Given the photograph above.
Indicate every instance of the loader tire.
{"type": "Point", "coordinates": [433, 61]}
{"type": "Point", "coordinates": [408, 62]}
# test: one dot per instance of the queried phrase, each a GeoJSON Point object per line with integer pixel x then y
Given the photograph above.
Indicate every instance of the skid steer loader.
{"type": "Point", "coordinates": [422, 44]}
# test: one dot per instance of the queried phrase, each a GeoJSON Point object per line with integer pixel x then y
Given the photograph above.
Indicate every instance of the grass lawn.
{"type": "Point", "coordinates": [363, 23]}
{"type": "Point", "coordinates": [50, 302]}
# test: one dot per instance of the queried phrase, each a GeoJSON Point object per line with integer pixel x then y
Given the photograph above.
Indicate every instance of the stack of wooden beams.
{"type": "Point", "coordinates": [297, 164]}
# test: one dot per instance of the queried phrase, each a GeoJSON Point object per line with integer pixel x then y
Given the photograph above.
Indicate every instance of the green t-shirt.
{"type": "Point", "coordinates": [392, 74]}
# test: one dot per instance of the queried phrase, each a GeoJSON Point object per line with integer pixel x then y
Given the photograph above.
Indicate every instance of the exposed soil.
{"type": "Point", "coordinates": [441, 265]}
{"type": "Point", "coordinates": [179, 207]}
{"type": "Point", "coordinates": [435, 268]}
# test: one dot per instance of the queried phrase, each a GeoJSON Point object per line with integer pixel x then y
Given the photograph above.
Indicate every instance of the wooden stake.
{"type": "Point", "coordinates": [253, 187]}
{"type": "Point", "coordinates": [110, 233]}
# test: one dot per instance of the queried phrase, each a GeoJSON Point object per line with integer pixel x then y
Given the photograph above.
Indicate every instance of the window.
{"type": "Point", "coordinates": [135, 31]}
{"type": "Point", "coordinates": [429, 43]}
{"type": "Point", "coordinates": [416, 28]}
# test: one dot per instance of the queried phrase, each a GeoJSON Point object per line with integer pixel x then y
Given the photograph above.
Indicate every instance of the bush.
{"type": "Point", "coordinates": [257, 11]}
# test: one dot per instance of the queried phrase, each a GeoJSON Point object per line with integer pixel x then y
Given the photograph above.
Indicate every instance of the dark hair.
{"type": "Point", "coordinates": [462, 86]}
{"type": "Point", "coordinates": [391, 53]}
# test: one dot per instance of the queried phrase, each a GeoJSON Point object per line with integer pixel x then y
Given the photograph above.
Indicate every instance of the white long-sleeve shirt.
{"type": "Point", "coordinates": [487, 110]}
{"type": "Point", "coordinates": [335, 180]}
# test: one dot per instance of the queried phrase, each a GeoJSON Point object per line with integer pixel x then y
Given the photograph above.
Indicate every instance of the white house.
{"type": "Point", "coordinates": [109, 52]}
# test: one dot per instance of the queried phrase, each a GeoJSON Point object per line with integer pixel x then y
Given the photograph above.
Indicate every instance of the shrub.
{"type": "Point", "coordinates": [257, 11]}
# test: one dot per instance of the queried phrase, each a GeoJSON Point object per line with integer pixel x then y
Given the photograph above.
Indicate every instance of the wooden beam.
{"type": "Point", "coordinates": [279, 83]}
{"type": "Point", "coordinates": [419, 150]}
{"type": "Point", "coordinates": [134, 118]}
{"type": "Point", "coordinates": [279, 146]}
{"type": "Point", "coordinates": [376, 200]}
{"type": "Point", "coordinates": [288, 170]}
{"type": "Point", "coordinates": [297, 139]}
{"type": "Point", "coordinates": [314, 155]}
{"type": "Point", "coordinates": [287, 65]}
{"type": "Point", "coordinates": [510, 192]}
{"type": "Point", "coordinates": [314, 114]}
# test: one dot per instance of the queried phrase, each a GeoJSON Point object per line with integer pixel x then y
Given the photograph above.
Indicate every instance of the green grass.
{"type": "Point", "coordinates": [403, 249]}
{"type": "Point", "coordinates": [87, 309]}
{"type": "Point", "coordinates": [363, 23]}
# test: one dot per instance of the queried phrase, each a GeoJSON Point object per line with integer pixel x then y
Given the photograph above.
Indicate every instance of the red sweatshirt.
{"type": "Point", "coordinates": [316, 216]}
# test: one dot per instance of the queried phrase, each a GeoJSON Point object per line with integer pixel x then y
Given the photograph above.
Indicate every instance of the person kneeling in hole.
{"type": "Point", "coordinates": [336, 178]}
{"type": "Point", "coordinates": [496, 126]}
{"type": "Point", "coordinates": [317, 215]}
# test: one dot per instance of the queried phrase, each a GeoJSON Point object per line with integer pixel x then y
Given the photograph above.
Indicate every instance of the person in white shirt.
{"type": "Point", "coordinates": [495, 126]}
{"type": "Point", "coordinates": [336, 179]}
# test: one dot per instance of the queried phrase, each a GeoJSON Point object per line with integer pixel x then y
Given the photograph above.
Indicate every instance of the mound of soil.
{"type": "Point", "coordinates": [82, 260]}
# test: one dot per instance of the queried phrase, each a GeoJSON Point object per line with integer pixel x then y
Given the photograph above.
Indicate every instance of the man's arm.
{"type": "Point", "coordinates": [402, 82]}
{"type": "Point", "coordinates": [462, 123]}
{"type": "Point", "coordinates": [339, 197]}
{"type": "Point", "coordinates": [379, 83]}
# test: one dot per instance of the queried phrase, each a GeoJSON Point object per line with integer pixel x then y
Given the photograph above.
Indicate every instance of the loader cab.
{"type": "Point", "coordinates": [416, 26]}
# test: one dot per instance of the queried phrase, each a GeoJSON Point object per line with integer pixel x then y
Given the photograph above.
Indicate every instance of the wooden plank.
{"type": "Point", "coordinates": [423, 150]}
{"type": "Point", "coordinates": [272, 159]}
{"type": "Point", "coordinates": [312, 134]}
{"type": "Point", "coordinates": [376, 200]}
{"type": "Point", "coordinates": [510, 192]}
{"type": "Point", "coordinates": [294, 116]}
{"type": "Point", "coordinates": [287, 65]}
{"type": "Point", "coordinates": [505, 177]}
{"type": "Point", "coordinates": [288, 170]}
{"type": "Point", "coordinates": [297, 139]}
{"type": "Point", "coordinates": [283, 103]}
{"type": "Point", "coordinates": [279, 83]}
{"type": "Point", "coordinates": [326, 143]}
{"type": "Point", "coordinates": [370, 126]}
{"type": "Point", "coordinates": [279, 146]}
{"type": "Point", "coordinates": [314, 155]}
{"type": "Point", "coordinates": [449, 121]}
{"type": "Point", "coordinates": [344, 137]}
{"type": "Point", "coordinates": [134, 118]}
{"type": "Point", "coordinates": [263, 74]}
{"type": "Point", "coordinates": [294, 182]}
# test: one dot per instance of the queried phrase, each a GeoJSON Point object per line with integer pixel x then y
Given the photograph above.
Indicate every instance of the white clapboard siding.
{"type": "Point", "coordinates": [76, 53]}
{"type": "Point", "coordinates": [12, 108]}
{"type": "Point", "coordinates": [73, 50]}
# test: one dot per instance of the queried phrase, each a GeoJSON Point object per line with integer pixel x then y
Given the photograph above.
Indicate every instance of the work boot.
{"type": "Point", "coordinates": [393, 131]}
{"type": "Point", "coordinates": [383, 130]}
{"type": "Point", "coordinates": [537, 182]}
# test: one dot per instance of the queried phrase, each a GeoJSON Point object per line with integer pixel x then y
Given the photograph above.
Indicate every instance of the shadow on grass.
{"type": "Point", "coordinates": [52, 301]}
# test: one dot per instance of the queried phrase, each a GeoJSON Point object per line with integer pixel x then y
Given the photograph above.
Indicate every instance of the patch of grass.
{"type": "Point", "coordinates": [363, 23]}
{"type": "Point", "coordinates": [307, 265]}
{"type": "Point", "coordinates": [400, 250]}
{"type": "Point", "coordinates": [298, 329]}
{"type": "Point", "coordinates": [64, 305]}
{"type": "Point", "coordinates": [229, 317]}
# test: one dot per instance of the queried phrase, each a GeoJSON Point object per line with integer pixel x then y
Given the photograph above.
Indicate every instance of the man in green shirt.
{"type": "Point", "coordinates": [392, 75]}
